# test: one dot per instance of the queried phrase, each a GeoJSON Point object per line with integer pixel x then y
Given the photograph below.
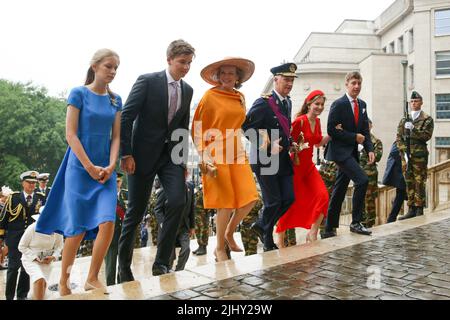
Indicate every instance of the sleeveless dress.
{"type": "Point", "coordinates": [311, 195]}
{"type": "Point", "coordinates": [76, 202]}
{"type": "Point", "coordinates": [234, 186]}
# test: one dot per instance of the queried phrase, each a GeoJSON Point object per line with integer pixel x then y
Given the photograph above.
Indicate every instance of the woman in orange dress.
{"type": "Point", "coordinates": [311, 196]}
{"type": "Point", "coordinates": [216, 132]}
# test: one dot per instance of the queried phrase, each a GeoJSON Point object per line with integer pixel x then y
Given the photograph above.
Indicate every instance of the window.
{"type": "Point", "coordinates": [442, 22]}
{"type": "Point", "coordinates": [392, 47]}
{"type": "Point", "coordinates": [410, 40]}
{"type": "Point", "coordinates": [442, 142]}
{"type": "Point", "coordinates": [411, 76]}
{"type": "Point", "coordinates": [443, 106]}
{"type": "Point", "coordinates": [400, 45]}
{"type": "Point", "coordinates": [443, 63]}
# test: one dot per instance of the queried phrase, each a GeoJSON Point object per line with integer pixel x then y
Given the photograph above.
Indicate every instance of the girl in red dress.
{"type": "Point", "coordinates": [311, 196]}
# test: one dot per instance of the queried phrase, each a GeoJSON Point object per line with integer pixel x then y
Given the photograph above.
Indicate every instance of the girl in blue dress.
{"type": "Point", "coordinates": [82, 201]}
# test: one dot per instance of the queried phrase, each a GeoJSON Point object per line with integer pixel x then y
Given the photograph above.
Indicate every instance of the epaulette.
{"type": "Point", "coordinates": [41, 194]}
{"type": "Point", "coordinates": [15, 192]}
{"type": "Point", "coordinates": [266, 96]}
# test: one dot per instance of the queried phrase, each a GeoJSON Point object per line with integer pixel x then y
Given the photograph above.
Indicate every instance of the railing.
{"type": "Point", "coordinates": [437, 191]}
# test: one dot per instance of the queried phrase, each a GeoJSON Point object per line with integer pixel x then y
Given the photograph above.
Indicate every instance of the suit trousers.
{"type": "Point", "coordinates": [111, 258]}
{"type": "Point", "coordinates": [184, 240]}
{"type": "Point", "coordinates": [172, 179]}
{"type": "Point", "coordinates": [349, 169]}
{"type": "Point", "coordinates": [278, 195]}
{"type": "Point", "coordinates": [400, 197]}
{"type": "Point", "coordinates": [14, 264]}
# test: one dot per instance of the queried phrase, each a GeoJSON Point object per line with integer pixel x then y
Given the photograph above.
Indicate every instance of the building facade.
{"type": "Point", "coordinates": [410, 34]}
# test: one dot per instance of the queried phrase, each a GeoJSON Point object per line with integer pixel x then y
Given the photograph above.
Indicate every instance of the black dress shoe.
{"type": "Point", "coordinates": [201, 251]}
{"type": "Point", "coordinates": [327, 234]}
{"type": "Point", "coordinates": [259, 231]}
{"type": "Point", "coordinates": [159, 269]}
{"type": "Point", "coordinates": [270, 248]}
{"type": "Point", "coordinates": [411, 214]}
{"type": "Point", "coordinates": [360, 229]}
{"type": "Point", "coordinates": [419, 211]}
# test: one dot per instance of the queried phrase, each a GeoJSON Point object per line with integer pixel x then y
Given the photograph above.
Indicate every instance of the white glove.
{"type": "Point", "coordinates": [406, 158]}
{"type": "Point", "coordinates": [360, 147]}
{"type": "Point", "coordinates": [409, 125]}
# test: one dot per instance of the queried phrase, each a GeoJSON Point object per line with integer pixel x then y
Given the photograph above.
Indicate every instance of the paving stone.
{"type": "Point", "coordinates": [185, 294]}
{"type": "Point", "coordinates": [373, 293]}
{"type": "Point", "coordinates": [291, 292]}
{"type": "Point", "coordinates": [343, 295]}
{"type": "Point", "coordinates": [215, 292]}
{"type": "Point", "coordinates": [425, 295]}
{"type": "Point", "coordinates": [320, 289]}
{"type": "Point", "coordinates": [234, 297]}
{"type": "Point", "coordinates": [303, 276]}
{"type": "Point", "coordinates": [203, 298]}
{"type": "Point", "coordinates": [227, 283]}
{"type": "Point", "coordinates": [273, 285]}
{"type": "Point", "coordinates": [395, 289]}
{"type": "Point", "coordinates": [443, 277]}
{"type": "Point", "coordinates": [393, 274]}
{"type": "Point", "coordinates": [203, 288]}
{"type": "Point", "coordinates": [439, 283]}
{"type": "Point", "coordinates": [442, 292]}
{"type": "Point", "coordinates": [395, 282]}
{"type": "Point", "coordinates": [394, 297]}
{"type": "Point", "coordinates": [163, 297]}
{"type": "Point", "coordinates": [410, 265]}
{"type": "Point", "coordinates": [254, 281]}
{"type": "Point", "coordinates": [420, 272]}
{"type": "Point", "coordinates": [327, 274]}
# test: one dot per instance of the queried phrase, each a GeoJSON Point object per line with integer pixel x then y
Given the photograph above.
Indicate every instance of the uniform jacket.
{"type": "Point", "coordinates": [261, 117]}
{"type": "Point", "coordinates": [343, 143]}
{"type": "Point", "coordinates": [393, 175]}
{"type": "Point", "coordinates": [144, 128]}
{"type": "Point", "coordinates": [420, 134]}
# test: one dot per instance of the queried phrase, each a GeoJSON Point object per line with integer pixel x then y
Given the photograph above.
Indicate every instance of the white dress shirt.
{"type": "Point", "coordinates": [415, 114]}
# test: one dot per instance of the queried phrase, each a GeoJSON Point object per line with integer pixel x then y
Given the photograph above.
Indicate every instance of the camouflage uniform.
{"type": "Point", "coordinates": [201, 220]}
{"type": "Point", "coordinates": [415, 172]}
{"type": "Point", "coordinates": [249, 236]}
{"type": "Point", "coordinates": [328, 172]}
{"type": "Point", "coordinates": [153, 222]}
{"type": "Point", "coordinates": [289, 238]}
{"type": "Point", "coordinates": [370, 214]}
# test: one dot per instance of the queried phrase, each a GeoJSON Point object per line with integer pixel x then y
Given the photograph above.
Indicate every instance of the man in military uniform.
{"type": "Point", "coordinates": [201, 223]}
{"type": "Point", "coordinates": [43, 188]}
{"type": "Point", "coordinates": [111, 255]}
{"type": "Point", "coordinates": [370, 214]}
{"type": "Point", "coordinates": [250, 237]}
{"type": "Point", "coordinates": [14, 219]}
{"type": "Point", "coordinates": [268, 124]}
{"type": "Point", "coordinates": [414, 166]}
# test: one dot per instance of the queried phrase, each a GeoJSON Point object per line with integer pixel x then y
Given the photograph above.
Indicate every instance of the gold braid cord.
{"type": "Point", "coordinates": [14, 213]}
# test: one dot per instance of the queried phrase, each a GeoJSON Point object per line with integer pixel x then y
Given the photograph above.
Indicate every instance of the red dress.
{"type": "Point", "coordinates": [311, 195]}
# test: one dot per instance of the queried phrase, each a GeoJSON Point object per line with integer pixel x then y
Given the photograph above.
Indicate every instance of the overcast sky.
{"type": "Point", "coordinates": [51, 42]}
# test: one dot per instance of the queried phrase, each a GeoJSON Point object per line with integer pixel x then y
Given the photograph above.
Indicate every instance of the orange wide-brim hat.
{"type": "Point", "coordinates": [210, 72]}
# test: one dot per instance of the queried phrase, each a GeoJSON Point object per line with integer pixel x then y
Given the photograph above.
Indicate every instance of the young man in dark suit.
{"type": "Point", "coordinates": [348, 126]}
{"type": "Point", "coordinates": [157, 106]}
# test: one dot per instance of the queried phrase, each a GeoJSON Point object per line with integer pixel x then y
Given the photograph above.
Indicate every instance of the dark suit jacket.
{"type": "Point", "coordinates": [261, 116]}
{"type": "Point", "coordinates": [393, 176]}
{"type": "Point", "coordinates": [343, 143]}
{"type": "Point", "coordinates": [144, 128]}
{"type": "Point", "coordinates": [188, 215]}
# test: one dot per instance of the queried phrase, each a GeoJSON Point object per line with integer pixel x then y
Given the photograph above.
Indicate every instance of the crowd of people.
{"type": "Point", "coordinates": [275, 189]}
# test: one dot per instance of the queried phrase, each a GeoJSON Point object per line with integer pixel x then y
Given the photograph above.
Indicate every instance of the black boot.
{"type": "Point", "coordinates": [419, 211]}
{"type": "Point", "coordinates": [411, 214]}
{"type": "Point", "coordinates": [201, 250]}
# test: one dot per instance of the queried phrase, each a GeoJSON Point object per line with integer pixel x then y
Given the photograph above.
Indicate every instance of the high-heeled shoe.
{"type": "Point", "coordinates": [89, 286]}
{"type": "Point", "coordinates": [235, 249]}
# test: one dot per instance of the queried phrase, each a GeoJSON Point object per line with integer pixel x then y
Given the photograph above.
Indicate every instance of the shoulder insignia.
{"type": "Point", "coordinates": [41, 194]}
{"type": "Point", "coordinates": [266, 96]}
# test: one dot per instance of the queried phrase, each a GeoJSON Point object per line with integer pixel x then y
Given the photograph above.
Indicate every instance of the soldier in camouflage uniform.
{"type": "Point", "coordinates": [201, 223]}
{"type": "Point", "coordinates": [414, 167]}
{"type": "Point", "coordinates": [328, 172]}
{"type": "Point", "coordinates": [369, 213]}
{"type": "Point", "coordinates": [248, 235]}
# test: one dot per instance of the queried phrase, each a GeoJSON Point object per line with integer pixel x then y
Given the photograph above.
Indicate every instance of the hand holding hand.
{"type": "Point", "coordinates": [107, 172]}
{"type": "Point", "coordinates": [96, 172]}
{"type": "Point", "coordinates": [409, 125]}
{"type": "Point", "coordinates": [48, 260]}
{"type": "Point", "coordinates": [360, 138]}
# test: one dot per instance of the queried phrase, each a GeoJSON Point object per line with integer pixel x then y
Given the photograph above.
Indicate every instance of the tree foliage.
{"type": "Point", "coordinates": [32, 131]}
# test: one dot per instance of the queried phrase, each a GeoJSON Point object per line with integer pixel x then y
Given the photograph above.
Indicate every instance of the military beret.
{"type": "Point", "coordinates": [286, 70]}
{"type": "Point", "coordinates": [416, 95]}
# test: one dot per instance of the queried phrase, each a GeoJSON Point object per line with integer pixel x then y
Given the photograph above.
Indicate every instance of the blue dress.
{"type": "Point", "coordinates": [77, 203]}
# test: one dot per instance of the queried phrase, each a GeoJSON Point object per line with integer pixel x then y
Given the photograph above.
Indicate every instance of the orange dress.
{"type": "Point", "coordinates": [216, 131]}
{"type": "Point", "coordinates": [311, 195]}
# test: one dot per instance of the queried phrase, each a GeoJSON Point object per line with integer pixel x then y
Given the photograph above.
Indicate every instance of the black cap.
{"type": "Point", "coordinates": [286, 70]}
{"type": "Point", "coordinates": [416, 95]}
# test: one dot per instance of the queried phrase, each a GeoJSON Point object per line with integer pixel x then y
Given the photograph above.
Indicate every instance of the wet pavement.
{"type": "Point", "coordinates": [408, 265]}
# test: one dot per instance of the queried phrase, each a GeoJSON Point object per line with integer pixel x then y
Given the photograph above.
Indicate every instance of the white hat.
{"type": "Point", "coordinates": [43, 176]}
{"type": "Point", "coordinates": [29, 176]}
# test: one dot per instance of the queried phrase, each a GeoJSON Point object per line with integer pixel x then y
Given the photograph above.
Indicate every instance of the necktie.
{"type": "Point", "coordinates": [285, 107]}
{"type": "Point", "coordinates": [356, 111]}
{"type": "Point", "coordinates": [173, 102]}
{"type": "Point", "coordinates": [29, 200]}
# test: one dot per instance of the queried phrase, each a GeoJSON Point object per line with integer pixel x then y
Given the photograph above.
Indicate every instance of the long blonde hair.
{"type": "Point", "coordinates": [99, 55]}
